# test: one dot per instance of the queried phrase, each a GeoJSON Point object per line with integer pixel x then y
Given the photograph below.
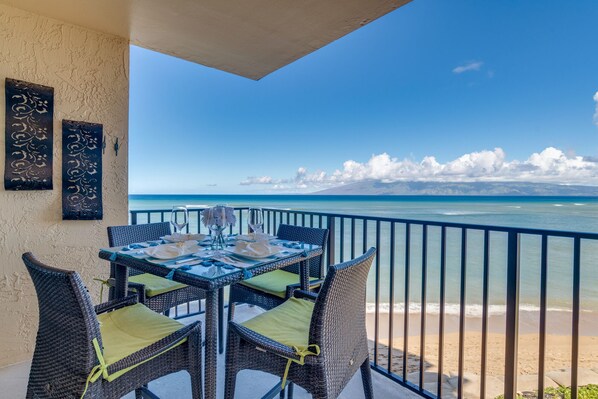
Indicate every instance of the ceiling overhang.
{"type": "Point", "coordinates": [251, 38]}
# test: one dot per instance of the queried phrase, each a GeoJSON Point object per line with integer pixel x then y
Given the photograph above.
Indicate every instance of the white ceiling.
{"type": "Point", "coordinates": [251, 38]}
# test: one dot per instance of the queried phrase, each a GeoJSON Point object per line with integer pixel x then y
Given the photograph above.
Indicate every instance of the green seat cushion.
{"type": "Point", "coordinates": [155, 285]}
{"type": "Point", "coordinates": [132, 328]}
{"type": "Point", "coordinates": [274, 283]}
{"type": "Point", "coordinates": [287, 324]}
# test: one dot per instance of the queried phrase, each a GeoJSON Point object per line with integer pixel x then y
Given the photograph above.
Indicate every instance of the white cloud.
{"type": "Point", "coordinates": [471, 66]}
{"type": "Point", "coordinates": [257, 180]}
{"type": "Point", "coordinates": [550, 165]}
{"type": "Point", "coordinates": [596, 112]}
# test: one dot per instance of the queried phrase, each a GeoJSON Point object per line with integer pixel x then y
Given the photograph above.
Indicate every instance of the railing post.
{"type": "Point", "coordinates": [331, 239]}
{"type": "Point", "coordinates": [512, 322]}
{"type": "Point", "coordinates": [133, 217]}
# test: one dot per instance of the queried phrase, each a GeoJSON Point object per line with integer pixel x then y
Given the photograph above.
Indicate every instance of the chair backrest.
{"type": "Point", "coordinates": [131, 234]}
{"type": "Point", "coordinates": [338, 321]}
{"type": "Point", "coordinates": [308, 235]}
{"type": "Point", "coordinates": [64, 352]}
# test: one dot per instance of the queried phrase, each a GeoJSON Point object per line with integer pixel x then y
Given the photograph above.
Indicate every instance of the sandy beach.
{"type": "Point", "coordinates": [557, 359]}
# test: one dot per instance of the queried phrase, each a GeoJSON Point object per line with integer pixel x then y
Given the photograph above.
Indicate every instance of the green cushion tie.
{"type": "Point", "coordinates": [104, 283]}
{"type": "Point", "coordinates": [98, 370]}
{"type": "Point", "coordinates": [300, 361]}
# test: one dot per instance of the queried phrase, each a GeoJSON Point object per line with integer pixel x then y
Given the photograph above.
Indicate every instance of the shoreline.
{"type": "Point", "coordinates": [558, 322]}
{"type": "Point", "coordinates": [557, 352]}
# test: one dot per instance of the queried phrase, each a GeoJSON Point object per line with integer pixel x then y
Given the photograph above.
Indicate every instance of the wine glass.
{"type": "Point", "coordinates": [179, 218]}
{"type": "Point", "coordinates": [255, 220]}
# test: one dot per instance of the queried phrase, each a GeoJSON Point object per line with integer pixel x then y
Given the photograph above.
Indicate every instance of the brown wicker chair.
{"type": "Point", "coordinates": [177, 294]}
{"type": "Point", "coordinates": [335, 344]}
{"type": "Point", "coordinates": [252, 293]}
{"type": "Point", "coordinates": [71, 341]}
{"type": "Point", "coordinates": [163, 302]}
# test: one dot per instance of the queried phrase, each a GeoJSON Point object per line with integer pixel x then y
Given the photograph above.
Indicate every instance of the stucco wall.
{"type": "Point", "coordinates": [89, 73]}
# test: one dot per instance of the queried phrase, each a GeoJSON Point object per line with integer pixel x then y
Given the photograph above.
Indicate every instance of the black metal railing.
{"type": "Point", "coordinates": [431, 254]}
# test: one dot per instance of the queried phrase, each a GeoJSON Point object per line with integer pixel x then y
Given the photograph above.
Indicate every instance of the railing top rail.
{"type": "Point", "coordinates": [469, 226]}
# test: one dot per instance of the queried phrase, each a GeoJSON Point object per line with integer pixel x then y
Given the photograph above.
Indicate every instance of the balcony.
{"type": "Point", "coordinates": [449, 276]}
{"type": "Point", "coordinates": [472, 347]}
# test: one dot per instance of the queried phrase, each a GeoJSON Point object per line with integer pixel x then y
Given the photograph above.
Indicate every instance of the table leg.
{"type": "Point", "coordinates": [121, 276]}
{"type": "Point", "coordinates": [304, 275]}
{"type": "Point", "coordinates": [221, 320]}
{"type": "Point", "coordinates": [211, 350]}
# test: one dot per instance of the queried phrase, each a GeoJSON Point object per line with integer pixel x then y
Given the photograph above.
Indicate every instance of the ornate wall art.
{"type": "Point", "coordinates": [29, 136]}
{"type": "Point", "coordinates": [81, 171]}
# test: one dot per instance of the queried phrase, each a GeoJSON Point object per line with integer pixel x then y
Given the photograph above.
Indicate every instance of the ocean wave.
{"type": "Point", "coordinates": [557, 204]}
{"type": "Point", "coordinates": [461, 213]}
{"type": "Point", "coordinates": [454, 309]}
{"type": "Point", "coordinates": [578, 204]}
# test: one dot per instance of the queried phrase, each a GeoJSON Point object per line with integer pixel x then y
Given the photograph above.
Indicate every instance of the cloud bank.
{"type": "Point", "coordinates": [471, 66]}
{"type": "Point", "coordinates": [548, 166]}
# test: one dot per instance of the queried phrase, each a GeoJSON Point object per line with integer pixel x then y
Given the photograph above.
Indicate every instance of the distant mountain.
{"type": "Point", "coordinates": [457, 188]}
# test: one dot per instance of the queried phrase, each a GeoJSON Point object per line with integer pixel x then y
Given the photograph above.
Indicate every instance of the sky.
{"type": "Point", "coordinates": [437, 90]}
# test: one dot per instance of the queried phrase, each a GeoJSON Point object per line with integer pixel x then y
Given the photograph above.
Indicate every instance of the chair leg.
{"type": "Point", "coordinates": [138, 394]}
{"type": "Point", "coordinates": [366, 377]}
{"type": "Point", "coordinates": [230, 380]}
{"type": "Point", "coordinates": [290, 388]}
{"type": "Point", "coordinates": [196, 391]}
{"type": "Point", "coordinates": [167, 313]}
{"type": "Point", "coordinates": [231, 310]}
{"type": "Point", "coordinates": [282, 393]}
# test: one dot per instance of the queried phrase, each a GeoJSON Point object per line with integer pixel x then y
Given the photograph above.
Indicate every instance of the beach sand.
{"type": "Point", "coordinates": [557, 359]}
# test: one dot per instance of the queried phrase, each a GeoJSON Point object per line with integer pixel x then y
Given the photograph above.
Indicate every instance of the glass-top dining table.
{"type": "Point", "coordinates": [209, 272]}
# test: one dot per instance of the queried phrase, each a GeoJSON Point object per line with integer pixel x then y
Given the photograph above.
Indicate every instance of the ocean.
{"type": "Point", "coordinates": [554, 213]}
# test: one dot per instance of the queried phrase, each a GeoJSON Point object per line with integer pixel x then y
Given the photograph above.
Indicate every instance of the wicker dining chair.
{"type": "Point", "coordinates": [106, 351]}
{"type": "Point", "coordinates": [316, 345]}
{"type": "Point", "coordinates": [271, 289]}
{"type": "Point", "coordinates": [158, 293]}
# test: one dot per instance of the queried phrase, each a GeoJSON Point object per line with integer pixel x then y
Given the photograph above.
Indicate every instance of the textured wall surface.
{"type": "Point", "coordinates": [89, 72]}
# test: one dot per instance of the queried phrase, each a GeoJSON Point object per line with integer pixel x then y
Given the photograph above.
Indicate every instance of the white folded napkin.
{"type": "Point", "coordinates": [255, 237]}
{"type": "Point", "coordinates": [171, 251]}
{"type": "Point", "coordinates": [255, 249]}
{"type": "Point", "coordinates": [178, 237]}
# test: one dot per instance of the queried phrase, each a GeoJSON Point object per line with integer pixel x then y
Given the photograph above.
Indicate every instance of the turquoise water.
{"type": "Point", "coordinates": [554, 213]}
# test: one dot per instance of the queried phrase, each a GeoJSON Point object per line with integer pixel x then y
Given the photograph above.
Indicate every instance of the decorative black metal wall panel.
{"type": "Point", "coordinates": [81, 171]}
{"type": "Point", "coordinates": [29, 136]}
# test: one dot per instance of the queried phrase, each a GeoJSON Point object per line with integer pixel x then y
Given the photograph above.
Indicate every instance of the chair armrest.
{"type": "Point", "coordinates": [156, 348]}
{"type": "Point", "coordinates": [139, 291]}
{"type": "Point", "coordinates": [293, 287]}
{"type": "Point", "coordinates": [261, 341]}
{"type": "Point", "coordinates": [116, 304]}
{"type": "Point", "coordinates": [301, 294]}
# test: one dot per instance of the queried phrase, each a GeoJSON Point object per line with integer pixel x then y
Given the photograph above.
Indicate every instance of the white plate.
{"type": "Point", "coordinates": [245, 253]}
{"type": "Point", "coordinates": [183, 237]}
{"type": "Point", "coordinates": [171, 251]}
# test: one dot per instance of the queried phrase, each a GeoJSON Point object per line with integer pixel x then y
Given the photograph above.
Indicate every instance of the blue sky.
{"type": "Point", "coordinates": [436, 90]}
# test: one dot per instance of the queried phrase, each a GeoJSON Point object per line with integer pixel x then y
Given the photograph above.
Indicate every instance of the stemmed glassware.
{"type": "Point", "coordinates": [179, 218]}
{"type": "Point", "coordinates": [255, 220]}
{"type": "Point", "coordinates": [217, 219]}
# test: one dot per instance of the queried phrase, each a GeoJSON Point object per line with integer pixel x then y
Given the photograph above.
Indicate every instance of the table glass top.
{"type": "Point", "coordinates": [197, 258]}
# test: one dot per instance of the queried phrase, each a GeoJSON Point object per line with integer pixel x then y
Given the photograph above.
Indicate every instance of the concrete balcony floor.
{"type": "Point", "coordinates": [250, 384]}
